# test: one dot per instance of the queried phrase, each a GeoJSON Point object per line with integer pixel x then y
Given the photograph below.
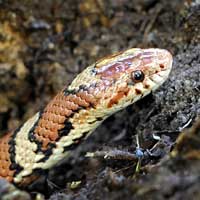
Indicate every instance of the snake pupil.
{"type": "Point", "coordinates": [138, 76]}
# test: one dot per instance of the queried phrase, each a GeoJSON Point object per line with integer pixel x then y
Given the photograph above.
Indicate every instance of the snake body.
{"type": "Point", "coordinates": [102, 89]}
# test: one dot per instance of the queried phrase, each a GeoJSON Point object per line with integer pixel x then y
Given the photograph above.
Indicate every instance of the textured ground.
{"type": "Point", "coordinates": [44, 44]}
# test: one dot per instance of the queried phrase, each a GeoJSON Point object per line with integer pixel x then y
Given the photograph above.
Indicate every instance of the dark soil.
{"type": "Point", "coordinates": [44, 44]}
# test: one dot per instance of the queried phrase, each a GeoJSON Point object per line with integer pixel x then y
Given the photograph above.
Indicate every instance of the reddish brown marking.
{"type": "Point", "coordinates": [115, 69]}
{"type": "Point", "coordinates": [146, 86]}
{"type": "Point", "coordinates": [5, 161]}
{"type": "Point", "coordinates": [56, 113]}
{"type": "Point", "coordinates": [162, 66]}
{"type": "Point", "coordinates": [118, 96]}
{"type": "Point", "coordinates": [87, 97]}
{"type": "Point", "coordinates": [137, 91]}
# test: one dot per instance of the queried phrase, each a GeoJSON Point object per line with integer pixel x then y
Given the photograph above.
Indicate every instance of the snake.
{"type": "Point", "coordinates": [103, 88]}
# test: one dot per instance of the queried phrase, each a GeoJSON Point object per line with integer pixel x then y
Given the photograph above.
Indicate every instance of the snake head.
{"type": "Point", "coordinates": [151, 69]}
{"type": "Point", "coordinates": [133, 74]}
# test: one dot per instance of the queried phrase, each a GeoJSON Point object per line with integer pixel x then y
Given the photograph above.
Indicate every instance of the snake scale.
{"type": "Point", "coordinates": [107, 86]}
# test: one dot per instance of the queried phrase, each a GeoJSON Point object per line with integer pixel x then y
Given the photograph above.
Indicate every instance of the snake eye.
{"type": "Point", "coordinates": [137, 76]}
